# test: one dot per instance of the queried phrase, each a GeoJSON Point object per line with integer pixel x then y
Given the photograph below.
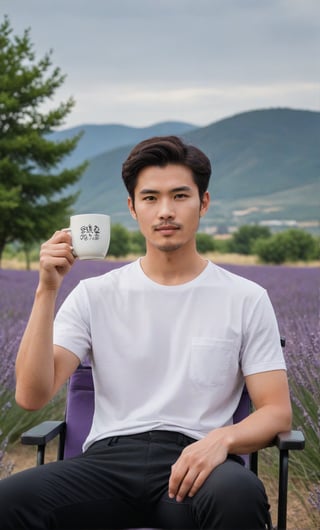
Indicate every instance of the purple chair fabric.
{"type": "Point", "coordinates": [243, 410]}
{"type": "Point", "coordinates": [80, 405]}
{"type": "Point", "coordinates": [79, 410]}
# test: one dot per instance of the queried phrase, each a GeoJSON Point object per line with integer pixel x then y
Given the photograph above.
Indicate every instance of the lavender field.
{"type": "Point", "coordinates": [294, 292]}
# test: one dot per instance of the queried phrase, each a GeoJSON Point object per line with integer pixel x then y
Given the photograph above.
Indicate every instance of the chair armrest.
{"type": "Point", "coordinates": [293, 440]}
{"type": "Point", "coordinates": [285, 441]}
{"type": "Point", "coordinates": [44, 432]}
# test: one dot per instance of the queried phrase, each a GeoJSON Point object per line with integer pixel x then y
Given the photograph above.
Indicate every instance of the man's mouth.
{"type": "Point", "coordinates": [167, 229]}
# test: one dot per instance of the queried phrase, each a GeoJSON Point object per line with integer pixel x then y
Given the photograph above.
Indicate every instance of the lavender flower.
{"type": "Point", "coordinates": [295, 297]}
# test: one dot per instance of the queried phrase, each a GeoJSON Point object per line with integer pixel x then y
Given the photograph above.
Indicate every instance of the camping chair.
{"type": "Point", "coordinates": [78, 417]}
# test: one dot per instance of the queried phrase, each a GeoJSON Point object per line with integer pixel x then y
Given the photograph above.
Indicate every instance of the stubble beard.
{"type": "Point", "coordinates": [169, 247]}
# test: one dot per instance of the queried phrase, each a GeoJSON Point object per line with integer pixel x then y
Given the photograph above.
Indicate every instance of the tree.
{"type": "Point", "coordinates": [119, 241]}
{"type": "Point", "coordinates": [34, 195]}
{"type": "Point", "coordinates": [242, 241]}
{"type": "Point", "coordinates": [270, 250]}
{"type": "Point", "coordinates": [137, 242]}
{"type": "Point", "coordinates": [289, 245]}
{"type": "Point", "coordinates": [205, 242]}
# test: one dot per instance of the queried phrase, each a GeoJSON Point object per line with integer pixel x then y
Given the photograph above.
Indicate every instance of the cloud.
{"type": "Point", "coordinates": [141, 61]}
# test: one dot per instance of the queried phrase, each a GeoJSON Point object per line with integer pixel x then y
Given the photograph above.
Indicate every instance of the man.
{"type": "Point", "coordinates": [172, 339]}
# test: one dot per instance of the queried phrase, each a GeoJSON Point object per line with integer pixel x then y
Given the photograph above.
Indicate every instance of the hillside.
{"type": "Point", "coordinates": [97, 139]}
{"type": "Point", "coordinates": [262, 152]}
{"type": "Point", "coordinates": [266, 167]}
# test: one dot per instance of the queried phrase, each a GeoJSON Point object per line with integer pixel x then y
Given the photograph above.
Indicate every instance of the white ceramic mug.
{"type": "Point", "coordinates": [90, 233]}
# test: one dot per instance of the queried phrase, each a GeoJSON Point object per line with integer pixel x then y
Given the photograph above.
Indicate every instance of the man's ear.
{"type": "Point", "coordinates": [205, 203]}
{"type": "Point", "coordinates": [131, 208]}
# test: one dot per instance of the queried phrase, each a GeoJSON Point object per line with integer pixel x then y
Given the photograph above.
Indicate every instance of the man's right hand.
{"type": "Point", "coordinates": [56, 259]}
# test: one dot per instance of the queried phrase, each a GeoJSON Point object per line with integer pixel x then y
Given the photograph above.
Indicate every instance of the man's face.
{"type": "Point", "coordinates": [167, 206]}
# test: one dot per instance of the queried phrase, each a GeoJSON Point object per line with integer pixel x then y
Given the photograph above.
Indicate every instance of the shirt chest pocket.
{"type": "Point", "coordinates": [212, 361]}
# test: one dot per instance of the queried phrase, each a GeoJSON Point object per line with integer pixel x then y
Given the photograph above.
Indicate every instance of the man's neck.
{"type": "Point", "coordinates": [172, 268]}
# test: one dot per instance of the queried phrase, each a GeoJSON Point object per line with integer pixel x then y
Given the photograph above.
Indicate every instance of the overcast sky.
{"type": "Point", "coordinates": [138, 62]}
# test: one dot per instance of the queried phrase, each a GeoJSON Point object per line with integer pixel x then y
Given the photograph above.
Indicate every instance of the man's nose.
{"type": "Point", "coordinates": [166, 209]}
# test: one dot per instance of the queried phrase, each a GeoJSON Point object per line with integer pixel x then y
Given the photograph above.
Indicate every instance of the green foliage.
{"type": "Point", "coordinates": [222, 245]}
{"type": "Point", "coordinates": [305, 413]}
{"type": "Point", "coordinates": [205, 243]}
{"type": "Point", "coordinates": [290, 245]}
{"type": "Point", "coordinates": [119, 241]}
{"type": "Point", "coordinates": [15, 420]}
{"type": "Point", "coordinates": [17, 251]}
{"type": "Point", "coordinates": [32, 182]}
{"type": "Point", "coordinates": [137, 243]}
{"type": "Point", "coordinates": [316, 254]}
{"type": "Point", "coordinates": [244, 238]}
{"type": "Point", "coordinates": [269, 251]}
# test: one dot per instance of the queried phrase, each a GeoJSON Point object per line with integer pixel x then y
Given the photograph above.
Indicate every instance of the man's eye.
{"type": "Point", "coordinates": [181, 196]}
{"type": "Point", "coordinates": [149, 198]}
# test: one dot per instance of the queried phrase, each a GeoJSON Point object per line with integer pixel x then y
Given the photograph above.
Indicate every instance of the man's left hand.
{"type": "Point", "coordinates": [195, 464]}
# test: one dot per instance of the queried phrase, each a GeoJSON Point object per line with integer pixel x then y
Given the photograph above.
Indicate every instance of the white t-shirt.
{"type": "Point", "coordinates": [168, 357]}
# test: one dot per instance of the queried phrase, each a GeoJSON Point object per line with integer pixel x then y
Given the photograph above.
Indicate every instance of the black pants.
{"type": "Point", "coordinates": [122, 482]}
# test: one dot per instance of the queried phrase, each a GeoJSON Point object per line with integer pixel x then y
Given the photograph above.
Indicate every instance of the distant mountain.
{"type": "Point", "coordinates": [266, 169]}
{"type": "Point", "coordinates": [259, 152]}
{"type": "Point", "coordinates": [98, 139]}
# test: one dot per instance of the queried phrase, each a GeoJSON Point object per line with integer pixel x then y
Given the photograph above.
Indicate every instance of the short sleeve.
{"type": "Point", "coordinates": [261, 349]}
{"type": "Point", "coordinates": [72, 324]}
